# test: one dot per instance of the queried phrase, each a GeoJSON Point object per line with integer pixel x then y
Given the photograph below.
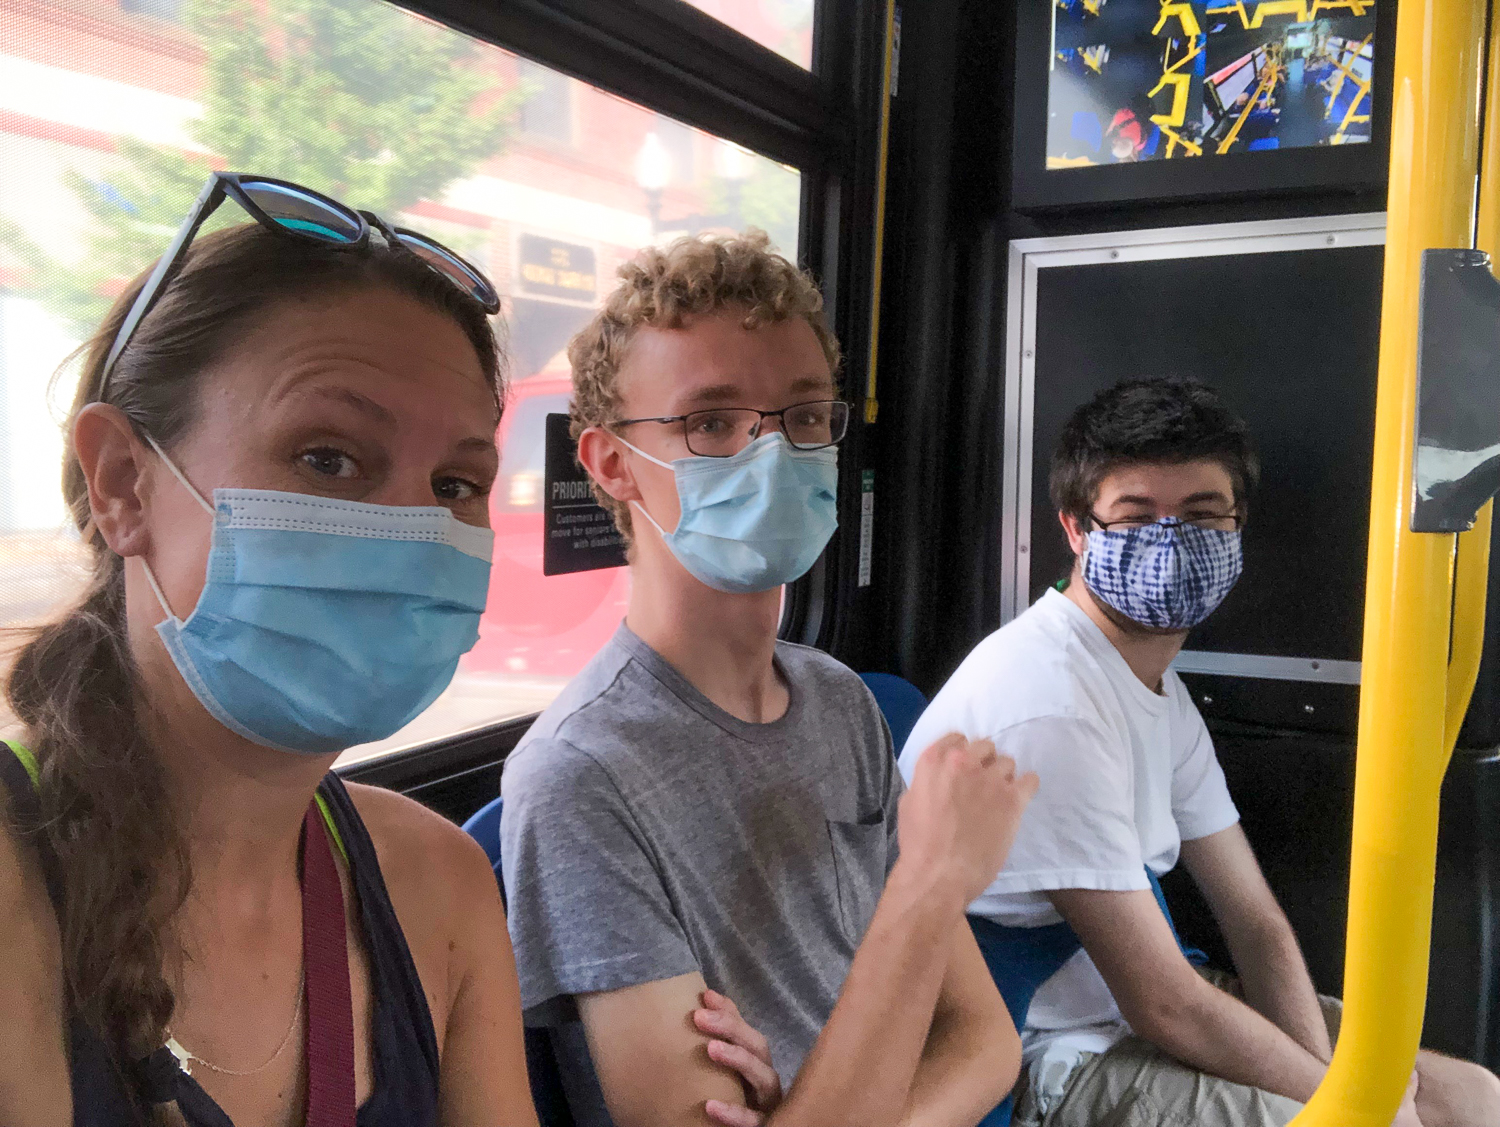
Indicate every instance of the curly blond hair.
{"type": "Point", "coordinates": [694, 275]}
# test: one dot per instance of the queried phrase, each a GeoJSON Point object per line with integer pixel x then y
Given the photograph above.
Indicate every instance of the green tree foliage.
{"type": "Point", "coordinates": [770, 198]}
{"type": "Point", "coordinates": [360, 100]}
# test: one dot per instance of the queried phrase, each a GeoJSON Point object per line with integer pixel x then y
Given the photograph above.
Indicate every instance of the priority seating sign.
{"type": "Point", "coordinates": [578, 534]}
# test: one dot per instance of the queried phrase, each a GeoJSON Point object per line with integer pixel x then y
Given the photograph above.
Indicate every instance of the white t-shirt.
{"type": "Point", "coordinates": [1126, 774]}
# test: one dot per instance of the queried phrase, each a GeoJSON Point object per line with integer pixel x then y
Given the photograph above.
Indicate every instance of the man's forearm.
{"type": "Point", "coordinates": [861, 1070]}
{"type": "Point", "coordinates": [1218, 1034]}
{"type": "Point", "coordinates": [1274, 978]}
{"type": "Point", "coordinates": [966, 1069]}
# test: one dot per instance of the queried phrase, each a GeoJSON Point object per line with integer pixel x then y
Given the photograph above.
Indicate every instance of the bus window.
{"type": "Point", "coordinates": [785, 26]}
{"type": "Point", "coordinates": [111, 115]}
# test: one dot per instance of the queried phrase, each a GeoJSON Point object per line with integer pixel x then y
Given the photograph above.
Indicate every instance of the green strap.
{"type": "Point", "coordinates": [333, 831]}
{"type": "Point", "coordinates": [28, 761]}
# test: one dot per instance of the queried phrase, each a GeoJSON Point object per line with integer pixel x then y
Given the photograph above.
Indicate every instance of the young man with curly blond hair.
{"type": "Point", "coordinates": [706, 817]}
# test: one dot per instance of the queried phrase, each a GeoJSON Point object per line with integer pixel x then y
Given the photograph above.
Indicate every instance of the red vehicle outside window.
{"type": "Point", "coordinates": [538, 625]}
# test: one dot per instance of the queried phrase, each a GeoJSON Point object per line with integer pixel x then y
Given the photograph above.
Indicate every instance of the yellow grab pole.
{"type": "Point", "coordinates": [872, 359]}
{"type": "Point", "coordinates": [1403, 752]}
{"type": "Point", "coordinates": [1471, 571]}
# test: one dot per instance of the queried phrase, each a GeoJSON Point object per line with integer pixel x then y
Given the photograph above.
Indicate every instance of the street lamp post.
{"type": "Point", "coordinates": [732, 163]}
{"type": "Point", "coordinates": [653, 172]}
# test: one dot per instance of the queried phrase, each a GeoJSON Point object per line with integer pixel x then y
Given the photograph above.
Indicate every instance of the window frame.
{"type": "Point", "coordinates": [670, 57]}
{"type": "Point", "coordinates": [673, 58]}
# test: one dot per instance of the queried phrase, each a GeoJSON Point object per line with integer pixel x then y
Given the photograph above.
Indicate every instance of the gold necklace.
{"type": "Point", "coordinates": [185, 1056]}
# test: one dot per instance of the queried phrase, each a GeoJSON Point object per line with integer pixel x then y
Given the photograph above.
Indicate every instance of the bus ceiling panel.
{"type": "Point", "coordinates": [671, 57]}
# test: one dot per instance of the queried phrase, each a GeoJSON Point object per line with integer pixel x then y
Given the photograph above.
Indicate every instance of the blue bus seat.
{"type": "Point", "coordinates": [1086, 128]}
{"type": "Point", "coordinates": [484, 827]}
{"type": "Point", "coordinates": [1264, 143]}
{"type": "Point", "coordinates": [1347, 95]}
{"type": "Point", "coordinates": [1153, 142]}
{"type": "Point", "coordinates": [901, 703]}
{"type": "Point", "coordinates": [541, 1061]}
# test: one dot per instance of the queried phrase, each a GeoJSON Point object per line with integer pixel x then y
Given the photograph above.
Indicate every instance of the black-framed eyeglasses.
{"type": "Point", "coordinates": [295, 212]}
{"type": "Point", "coordinates": [722, 432]}
{"type": "Point", "coordinates": [1226, 522]}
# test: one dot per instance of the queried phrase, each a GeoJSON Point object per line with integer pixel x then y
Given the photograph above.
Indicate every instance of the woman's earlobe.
{"type": "Point", "coordinates": [109, 456]}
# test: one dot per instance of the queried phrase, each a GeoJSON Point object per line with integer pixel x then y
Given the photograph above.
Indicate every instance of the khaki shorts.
{"type": "Point", "coordinates": [1135, 1084]}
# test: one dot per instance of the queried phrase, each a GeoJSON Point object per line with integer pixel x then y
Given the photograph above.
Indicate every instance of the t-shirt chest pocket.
{"type": "Point", "coordinates": [859, 864]}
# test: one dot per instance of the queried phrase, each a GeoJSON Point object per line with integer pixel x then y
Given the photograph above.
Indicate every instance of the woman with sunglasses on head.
{"type": "Point", "coordinates": [279, 457]}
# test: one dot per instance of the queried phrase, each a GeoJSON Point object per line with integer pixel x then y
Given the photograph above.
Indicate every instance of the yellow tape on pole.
{"type": "Point", "coordinates": [1403, 752]}
{"type": "Point", "coordinates": [872, 405]}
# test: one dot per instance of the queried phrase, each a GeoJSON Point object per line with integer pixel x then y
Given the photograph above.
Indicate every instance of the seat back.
{"type": "Point", "coordinates": [541, 1060]}
{"type": "Point", "coordinates": [1153, 141]}
{"type": "Point", "coordinates": [901, 703]}
{"type": "Point", "coordinates": [484, 827]}
{"type": "Point", "coordinates": [1086, 128]}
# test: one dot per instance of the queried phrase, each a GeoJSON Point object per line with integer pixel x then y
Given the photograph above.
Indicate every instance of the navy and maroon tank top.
{"type": "Point", "coordinates": [404, 1048]}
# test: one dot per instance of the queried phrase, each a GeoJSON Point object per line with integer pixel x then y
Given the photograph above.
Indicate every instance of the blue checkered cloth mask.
{"type": "Point", "coordinates": [1168, 575]}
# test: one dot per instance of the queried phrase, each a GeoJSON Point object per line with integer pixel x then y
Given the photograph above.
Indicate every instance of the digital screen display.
{"type": "Point", "coordinates": [1138, 80]}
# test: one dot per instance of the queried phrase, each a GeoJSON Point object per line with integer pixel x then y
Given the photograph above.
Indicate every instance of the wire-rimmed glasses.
{"type": "Point", "coordinates": [722, 432]}
{"type": "Point", "coordinates": [1209, 522]}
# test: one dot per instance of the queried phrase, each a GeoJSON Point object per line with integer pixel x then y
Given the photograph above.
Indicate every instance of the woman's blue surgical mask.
{"type": "Point", "coordinates": [325, 623]}
{"type": "Point", "coordinates": [1167, 575]}
{"type": "Point", "coordinates": [753, 521]}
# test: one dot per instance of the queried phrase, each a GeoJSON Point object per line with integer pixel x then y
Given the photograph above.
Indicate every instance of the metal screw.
{"type": "Point", "coordinates": [1028, 354]}
{"type": "Point", "coordinates": [1023, 549]}
{"type": "Point", "coordinates": [1114, 254]}
{"type": "Point", "coordinates": [1331, 240]}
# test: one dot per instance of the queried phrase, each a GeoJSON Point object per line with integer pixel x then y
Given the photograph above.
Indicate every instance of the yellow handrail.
{"type": "Point", "coordinates": [872, 405]}
{"type": "Point", "coordinates": [1403, 712]}
{"type": "Point", "coordinates": [1267, 85]}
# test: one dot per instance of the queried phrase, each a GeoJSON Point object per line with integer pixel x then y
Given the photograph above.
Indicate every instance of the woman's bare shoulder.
{"type": "Point", "coordinates": [442, 888]}
{"type": "Point", "coordinates": [23, 893]}
{"type": "Point", "coordinates": [410, 831]}
{"type": "Point", "coordinates": [428, 863]}
{"type": "Point", "coordinates": [33, 1069]}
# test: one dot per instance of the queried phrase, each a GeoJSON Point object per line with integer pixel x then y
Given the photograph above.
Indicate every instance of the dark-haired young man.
{"type": "Point", "coordinates": [1150, 481]}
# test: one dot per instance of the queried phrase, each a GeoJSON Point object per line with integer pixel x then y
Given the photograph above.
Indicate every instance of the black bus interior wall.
{"type": "Point", "coordinates": [937, 453]}
{"type": "Point", "coordinates": [937, 449]}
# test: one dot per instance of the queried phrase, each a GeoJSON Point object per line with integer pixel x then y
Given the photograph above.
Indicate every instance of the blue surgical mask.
{"type": "Point", "coordinates": [324, 623]}
{"type": "Point", "coordinates": [1168, 575]}
{"type": "Point", "coordinates": [756, 520]}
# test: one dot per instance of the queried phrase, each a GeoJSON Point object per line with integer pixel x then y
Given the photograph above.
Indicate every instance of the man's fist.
{"type": "Point", "coordinates": [960, 815]}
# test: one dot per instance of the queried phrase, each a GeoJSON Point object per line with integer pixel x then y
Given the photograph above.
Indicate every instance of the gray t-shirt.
{"type": "Point", "coordinates": [647, 833]}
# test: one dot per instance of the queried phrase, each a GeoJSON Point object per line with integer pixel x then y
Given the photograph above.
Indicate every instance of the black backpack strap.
{"type": "Point", "coordinates": [17, 769]}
